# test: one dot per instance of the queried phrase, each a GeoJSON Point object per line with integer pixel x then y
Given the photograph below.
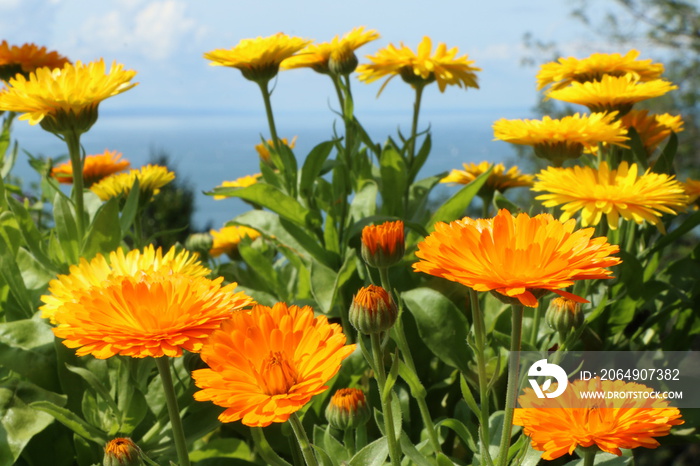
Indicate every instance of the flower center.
{"type": "Point", "coordinates": [277, 375]}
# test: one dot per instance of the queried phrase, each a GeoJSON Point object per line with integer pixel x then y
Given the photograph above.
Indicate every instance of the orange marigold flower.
{"type": "Point", "coordinates": [85, 275]}
{"type": "Point", "coordinates": [26, 58]}
{"type": "Point", "coordinates": [154, 314]}
{"type": "Point", "coordinates": [568, 70]}
{"type": "Point", "coordinates": [517, 257]}
{"type": "Point", "coordinates": [383, 245]}
{"type": "Point", "coordinates": [558, 425]}
{"type": "Point", "coordinates": [226, 240]}
{"type": "Point", "coordinates": [499, 179]}
{"type": "Point", "coordinates": [266, 364]}
{"type": "Point", "coordinates": [348, 409]}
{"type": "Point", "coordinates": [95, 168]}
{"type": "Point", "coordinates": [652, 129]}
{"type": "Point", "coordinates": [122, 451]}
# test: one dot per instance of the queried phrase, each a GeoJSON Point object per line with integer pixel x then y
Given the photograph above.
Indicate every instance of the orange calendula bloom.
{"type": "Point", "coordinates": [558, 425]}
{"type": "Point", "coordinates": [86, 275]}
{"type": "Point", "coordinates": [26, 58]}
{"type": "Point", "coordinates": [151, 179]}
{"type": "Point", "coordinates": [258, 59]}
{"type": "Point", "coordinates": [612, 93]}
{"type": "Point", "coordinates": [122, 451]}
{"type": "Point", "coordinates": [517, 257]}
{"type": "Point", "coordinates": [652, 129]}
{"type": "Point", "coordinates": [226, 240]}
{"type": "Point", "coordinates": [383, 245]}
{"type": "Point", "coordinates": [562, 139]}
{"type": "Point", "coordinates": [373, 310]}
{"type": "Point", "coordinates": [613, 193]}
{"type": "Point", "coordinates": [421, 67]}
{"type": "Point", "coordinates": [348, 409]}
{"type": "Point", "coordinates": [266, 364]}
{"type": "Point", "coordinates": [95, 168]}
{"type": "Point", "coordinates": [569, 70]}
{"type": "Point", "coordinates": [242, 182]}
{"type": "Point", "coordinates": [340, 51]}
{"type": "Point", "coordinates": [154, 314]}
{"type": "Point", "coordinates": [499, 179]}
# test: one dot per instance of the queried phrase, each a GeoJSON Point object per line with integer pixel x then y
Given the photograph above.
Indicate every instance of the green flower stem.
{"type": "Point", "coordinates": [480, 341]}
{"type": "Point", "coordinates": [361, 437]}
{"type": "Point", "coordinates": [512, 388]}
{"type": "Point", "coordinates": [405, 349]}
{"type": "Point", "coordinates": [303, 440]}
{"type": "Point", "coordinates": [535, 325]}
{"type": "Point", "coordinates": [163, 364]}
{"type": "Point", "coordinates": [349, 441]}
{"type": "Point", "coordinates": [380, 374]}
{"type": "Point", "coordinates": [276, 142]}
{"type": "Point", "coordinates": [72, 139]}
{"type": "Point", "coordinates": [589, 456]}
{"type": "Point", "coordinates": [264, 449]}
{"type": "Point", "coordinates": [414, 127]}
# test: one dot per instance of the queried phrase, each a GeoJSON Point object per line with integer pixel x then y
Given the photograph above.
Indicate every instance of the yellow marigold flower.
{"type": "Point", "coordinates": [258, 59]}
{"type": "Point", "coordinates": [226, 240]}
{"type": "Point", "coordinates": [612, 93]}
{"type": "Point", "coordinates": [122, 451]}
{"type": "Point", "coordinates": [348, 409]}
{"type": "Point", "coordinates": [499, 179]}
{"type": "Point", "coordinates": [613, 193]}
{"type": "Point", "coordinates": [65, 99]}
{"type": "Point", "coordinates": [421, 68]}
{"type": "Point", "coordinates": [266, 364]}
{"type": "Point", "coordinates": [517, 257]}
{"type": "Point", "coordinates": [652, 129]}
{"type": "Point", "coordinates": [383, 245]}
{"type": "Point", "coordinates": [26, 58]}
{"type": "Point", "coordinates": [151, 179]}
{"type": "Point", "coordinates": [561, 139]}
{"type": "Point", "coordinates": [317, 56]}
{"type": "Point", "coordinates": [152, 315]}
{"type": "Point", "coordinates": [95, 168]}
{"type": "Point", "coordinates": [692, 189]}
{"type": "Point", "coordinates": [86, 275]}
{"type": "Point", "coordinates": [569, 70]}
{"type": "Point", "coordinates": [264, 153]}
{"type": "Point", "coordinates": [241, 182]}
{"type": "Point", "coordinates": [558, 425]}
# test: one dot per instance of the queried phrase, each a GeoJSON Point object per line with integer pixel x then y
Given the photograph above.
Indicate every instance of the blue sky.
{"type": "Point", "coordinates": [164, 41]}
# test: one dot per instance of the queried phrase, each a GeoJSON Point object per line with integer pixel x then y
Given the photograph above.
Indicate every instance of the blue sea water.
{"type": "Point", "coordinates": [206, 148]}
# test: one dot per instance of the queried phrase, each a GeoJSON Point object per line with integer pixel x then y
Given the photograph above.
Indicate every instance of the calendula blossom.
{"type": "Point", "coordinates": [65, 99]}
{"type": "Point", "coordinates": [226, 240]}
{"type": "Point", "coordinates": [95, 168]}
{"type": "Point", "coordinates": [569, 70]}
{"type": "Point", "coordinates": [383, 245]}
{"type": "Point", "coordinates": [516, 257]}
{"type": "Point", "coordinates": [26, 58]}
{"type": "Point", "coordinates": [692, 189]}
{"type": "Point", "coordinates": [264, 153]}
{"type": "Point", "coordinates": [622, 192]}
{"type": "Point", "coordinates": [241, 182]}
{"type": "Point", "coordinates": [151, 179]}
{"type": "Point", "coordinates": [258, 59]}
{"type": "Point", "coordinates": [559, 425]}
{"type": "Point", "coordinates": [612, 93]}
{"type": "Point", "coordinates": [421, 67]}
{"type": "Point", "coordinates": [652, 129]}
{"type": "Point", "coordinates": [266, 364]}
{"type": "Point", "coordinates": [562, 139]}
{"type": "Point", "coordinates": [499, 179]}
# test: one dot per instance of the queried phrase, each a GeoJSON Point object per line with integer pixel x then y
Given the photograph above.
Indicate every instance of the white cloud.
{"type": "Point", "coordinates": [161, 26]}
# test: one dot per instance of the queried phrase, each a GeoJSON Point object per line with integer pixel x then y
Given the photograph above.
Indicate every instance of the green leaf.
{"type": "Point", "coordinates": [394, 181]}
{"type": "Point", "coordinates": [455, 206]}
{"type": "Point", "coordinates": [262, 266]}
{"type": "Point", "coordinates": [131, 208]}
{"type": "Point", "coordinates": [421, 157]}
{"type": "Point", "coordinates": [392, 376]}
{"type": "Point", "coordinates": [323, 280]}
{"type": "Point", "coordinates": [461, 430]}
{"type": "Point", "coordinates": [364, 204]}
{"type": "Point", "coordinates": [441, 325]}
{"type": "Point", "coordinates": [313, 165]}
{"type": "Point", "coordinates": [605, 459]}
{"type": "Point", "coordinates": [411, 452]}
{"type": "Point", "coordinates": [221, 448]}
{"type": "Point", "coordinates": [27, 348]}
{"type": "Point", "coordinates": [374, 454]}
{"type": "Point", "coordinates": [672, 237]}
{"type": "Point", "coordinates": [67, 229]}
{"type": "Point", "coordinates": [418, 197]}
{"type": "Point", "coordinates": [104, 233]}
{"type": "Point", "coordinates": [12, 276]}
{"type": "Point", "coordinates": [96, 384]}
{"type": "Point", "coordinates": [71, 420]}
{"type": "Point", "coordinates": [664, 164]}
{"type": "Point", "coordinates": [18, 421]}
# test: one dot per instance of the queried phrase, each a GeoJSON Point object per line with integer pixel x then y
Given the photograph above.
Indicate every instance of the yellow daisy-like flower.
{"type": "Point", "coordinates": [154, 314]}
{"type": "Point", "coordinates": [692, 189]}
{"type": "Point", "coordinates": [421, 68]}
{"type": "Point", "coordinates": [151, 179]}
{"type": "Point", "coordinates": [613, 193]}
{"type": "Point", "coordinates": [339, 51]}
{"type": "Point", "coordinates": [258, 59]}
{"type": "Point", "coordinates": [65, 99]}
{"type": "Point", "coordinates": [85, 275]}
{"type": "Point", "coordinates": [612, 93]}
{"type": "Point", "coordinates": [569, 70]}
{"type": "Point", "coordinates": [241, 182]}
{"type": "Point", "coordinates": [561, 139]}
{"type": "Point", "coordinates": [559, 425]}
{"type": "Point", "coordinates": [26, 58]}
{"type": "Point", "coordinates": [95, 168]}
{"type": "Point", "coordinates": [652, 129]}
{"type": "Point", "coordinates": [499, 179]}
{"type": "Point", "coordinates": [264, 153]}
{"type": "Point", "coordinates": [226, 240]}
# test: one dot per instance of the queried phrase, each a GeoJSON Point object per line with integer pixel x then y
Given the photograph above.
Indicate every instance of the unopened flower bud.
{"type": "Point", "coordinates": [383, 245]}
{"type": "Point", "coordinates": [373, 310]}
{"type": "Point", "coordinates": [200, 243]}
{"type": "Point", "coordinates": [563, 315]}
{"type": "Point", "coordinates": [122, 451]}
{"type": "Point", "coordinates": [348, 409]}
